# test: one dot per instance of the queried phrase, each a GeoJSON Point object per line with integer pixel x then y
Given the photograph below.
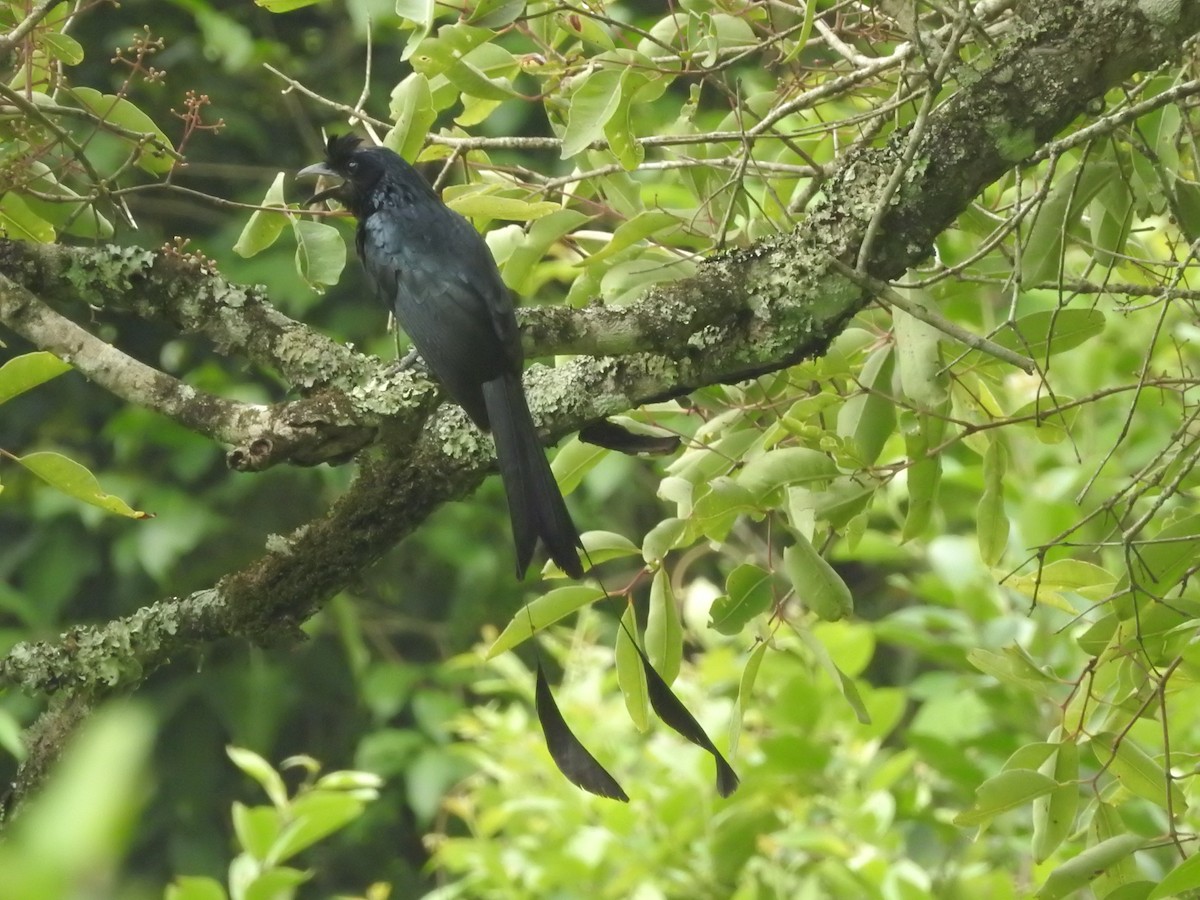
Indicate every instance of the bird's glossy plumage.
{"type": "Point", "coordinates": [436, 273]}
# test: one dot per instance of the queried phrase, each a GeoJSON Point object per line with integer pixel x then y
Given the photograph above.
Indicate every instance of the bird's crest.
{"type": "Point", "coordinates": [340, 148]}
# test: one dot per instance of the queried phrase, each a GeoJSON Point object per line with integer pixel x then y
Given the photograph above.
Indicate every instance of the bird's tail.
{"type": "Point", "coordinates": [535, 505]}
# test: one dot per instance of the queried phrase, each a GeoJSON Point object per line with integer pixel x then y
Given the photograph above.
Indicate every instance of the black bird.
{"type": "Point", "coordinates": [436, 273]}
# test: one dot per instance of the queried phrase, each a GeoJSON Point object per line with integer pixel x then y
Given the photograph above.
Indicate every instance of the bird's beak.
{"type": "Point", "coordinates": [316, 169]}
{"type": "Point", "coordinates": [323, 170]}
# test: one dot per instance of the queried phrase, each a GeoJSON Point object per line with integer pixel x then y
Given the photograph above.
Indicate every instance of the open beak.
{"type": "Point", "coordinates": [316, 169]}
{"type": "Point", "coordinates": [321, 169]}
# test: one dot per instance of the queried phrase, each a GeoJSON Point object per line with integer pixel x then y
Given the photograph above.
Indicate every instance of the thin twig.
{"type": "Point", "coordinates": [884, 292]}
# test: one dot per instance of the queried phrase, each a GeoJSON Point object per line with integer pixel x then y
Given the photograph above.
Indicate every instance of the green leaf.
{"type": "Point", "coordinates": [1137, 772]}
{"type": "Point", "coordinates": [314, 815]}
{"type": "Point", "coordinates": [574, 460]}
{"type": "Point", "coordinates": [817, 585]}
{"type": "Point", "coordinates": [718, 507]}
{"type": "Point", "coordinates": [745, 689]}
{"type": "Point", "coordinates": [1012, 666]}
{"type": "Point", "coordinates": [414, 114]}
{"type": "Point", "coordinates": [543, 612]}
{"type": "Point", "coordinates": [1042, 253]}
{"type": "Point", "coordinates": [748, 595]}
{"type": "Point", "coordinates": [618, 130]}
{"type": "Point", "coordinates": [869, 417]}
{"type": "Point", "coordinates": [1054, 813]}
{"type": "Point", "coordinates": [844, 684]}
{"type": "Point", "coordinates": [1160, 563]}
{"type": "Point", "coordinates": [1110, 216]}
{"type": "Point", "coordinates": [486, 74]}
{"type": "Point", "coordinates": [592, 104]}
{"type": "Point", "coordinates": [282, 6]}
{"type": "Point", "coordinates": [19, 222]}
{"type": "Point", "coordinates": [1107, 823]}
{"type": "Point", "coordinates": [261, 771]}
{"type": "Point", "coordinates": [918, 358]}
{"type": "Point", "coordinates": [61, 47]}
{"type": "Point", "coordinates": [1043, 416]}
{"type": "Point", "coordinates": [1180, 881]}
{"type": "Point", "coordinates": [643, 225]}
{"type": "Point", "coordinates": [1051, 331]}
{"type": "Point", "coordinates": [664, 537]}
{"type": "Point", "coordinates": [1054, 581]}
{"type": "Point", "coordinates": [785, 466]}
{"type": "Point", "coordinates": [27, 371]}
{"type": "Point", "coordinates": [76, 481]}
{"type": "Point", "coordinates": [496, 13]}
{"type": "Point", "coordinates": [257, 828]}
{"type": "Point", "coordinates": [630, 676]}
{"type": "Point", "coordinates": [119, 111]}
{"type": "Point", "coordinates": [924, 476]}
{"type": "Point", "coordinates": [1010, 789]}
{"type": "Point", "coordinates": [276, 884]}
{"type": "Point", "coordinates": [482, 202]}
{"type": "Point", "coordinates": [264, 227]}
{"type": "Point", "coordinates": [664, 631]}
{"type": "Point", "coordinates": [193, 887]}
{"type": "Point", "coordinates": [991, 521]}
{"type": "Point", "coordinates": [530, 252]}
{"type": "Point", "coordinates": [601, 546]}
{"type": "Point", "coordinates": [320, 253]}
{"type": "Point", "coordinates": [420, 13]}
{"type": "Point", "coordinates": [1076, 873]}
{"type": "Point", "coordinates": [1029, 756]}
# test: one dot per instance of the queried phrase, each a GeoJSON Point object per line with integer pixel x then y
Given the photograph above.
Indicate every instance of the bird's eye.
{"type": "Point", "coordinates": [352, 166]}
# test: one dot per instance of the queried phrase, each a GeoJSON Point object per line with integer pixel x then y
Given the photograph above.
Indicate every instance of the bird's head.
{"type": "Point", "coordinates": [354, 165]}
{"type": "Point", "coordinates": [360, 169]}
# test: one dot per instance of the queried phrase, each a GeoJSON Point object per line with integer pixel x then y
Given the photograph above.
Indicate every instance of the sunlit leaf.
{"type": "Point", "coordinates": [194, 887]}
{"type": "Point", "coordinates": [593, 103]}
{"type": "Point", "coordinates": [1009, 789]}
{"type": "Point", "coordinates": [869, 417]}
{"type": "Point", "coordinates": [264, 226]}
{"type": "Point", "coordinates": [664, 630]}
{"type": "Point", "coordinates": [261, 771]}
{"type": "Point", "coordinates": [19, 222]}
{"type": "Point", "coordinates": [282, 6]}
{"type": "Point", "coordinates": [27, 371]}
{"type": "Point", "coordinates": [817, 585]}
{"type": "Point", "coordinates": [119, 111]}
{"type": "Point", "coordinates": [1137, 772]}
{"type": "Point", "coordinates": [542, 612]}
{"type": "Point", "coordinates": [75, 480]}
{"type": "Point", "coordinates": [748, 595]}
{"type": "Point", "coordinates": [1051, 331]}
{"type": "Point", "coordinates": [320, 253]}
{"type": "Point", "coordinates": [1054, 813]}
{"type": "Point", "coordinates": [413, 113]}
{"type": "Point", "coordinates": [1079, 871]}
{"type": "Point", "coordinates": [745, 691]}
{"type": "Point", "coordinates": [630, 676]}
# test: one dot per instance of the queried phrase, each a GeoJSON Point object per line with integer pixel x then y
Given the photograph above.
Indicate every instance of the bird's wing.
{"type": "Point", "coordinates": [436, 273]}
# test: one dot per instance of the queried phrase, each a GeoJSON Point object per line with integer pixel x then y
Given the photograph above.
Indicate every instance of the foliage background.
{"type": "Point", "coordinates": [1020, 656]}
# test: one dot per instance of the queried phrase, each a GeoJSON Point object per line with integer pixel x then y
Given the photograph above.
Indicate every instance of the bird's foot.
{"type": "Point", "coordinates": [411, 361]}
